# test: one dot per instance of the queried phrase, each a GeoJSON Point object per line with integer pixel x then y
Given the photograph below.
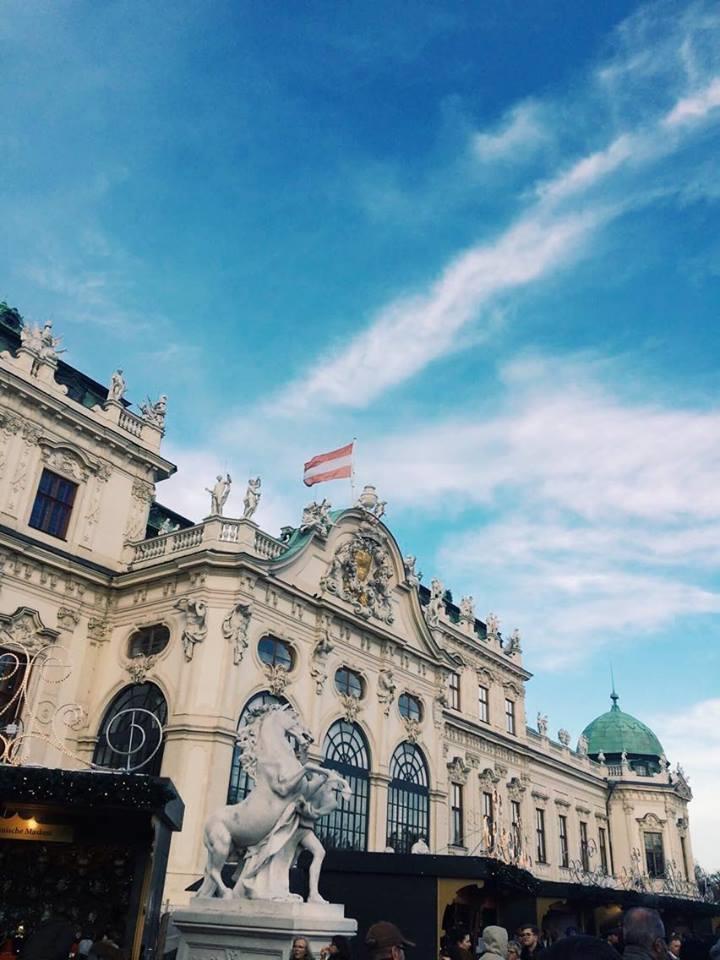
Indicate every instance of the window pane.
{"type": "Point", "coordinates": [345, 750]}
{"type": "Point", "coordinates": [128, 735]}
{"type": "Point", "coordinates": [409, 707]}
{"type": "Point", "coordinates": [408, 817]}
{"type": "Point", "coordinates": [349, 683]}
{"type": "Point", "coordinates": [53, 504]}
{"type": "Point", "coordinates": [149, 641]}
{"type": "Point", "coordinates": [275, 653]}
{"type": "Point", "coordinates": [484, 704]}
{"type": "Point", "coordinates": [510, 716]}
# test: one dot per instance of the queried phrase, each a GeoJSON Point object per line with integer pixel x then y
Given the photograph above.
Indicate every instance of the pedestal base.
{"type": "Point", "coordinates": [217, 929]}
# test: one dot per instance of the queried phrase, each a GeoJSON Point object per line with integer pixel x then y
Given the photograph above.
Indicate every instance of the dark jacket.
{"type": "Point", "coordinates": [631, 952]}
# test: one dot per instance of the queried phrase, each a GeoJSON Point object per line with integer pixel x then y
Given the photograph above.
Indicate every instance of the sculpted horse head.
{"type": "Point", "coordinates": [273, 730]}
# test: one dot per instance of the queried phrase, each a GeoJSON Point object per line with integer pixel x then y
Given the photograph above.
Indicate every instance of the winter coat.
{"type": "Point", "coordinates": [496, 941]}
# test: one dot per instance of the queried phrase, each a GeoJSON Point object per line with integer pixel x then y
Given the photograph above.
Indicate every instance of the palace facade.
{"type": "Point", "coordinates": [173, 630]}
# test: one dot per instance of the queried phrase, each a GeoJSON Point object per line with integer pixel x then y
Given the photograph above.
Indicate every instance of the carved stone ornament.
{"type": "Point", "coordinates": [371, 503]}
{"type": "Point", "coordinates": [277, 678]}
{"type": "Point", "coordinates": [513, 646]}
{"type": "Point", "coordinates": [321, 651]}
{"type": "Point", "coordinates": [139, 667]}
{"type": "Point", "coordinates": [412, 576]}
{"type": "Point", "coordinates": [492, 627]}
{"type": "Point", "coordinates": [467, 610]}
{"type": "Point", "coordinates": [156, 412]}
{"type": "Point", "coordinates": [651, 820]}
{"type": "Point", "coordinates": [435, 608]}
{"type": "Point", "coordinates": [386, 689]}
{"type": "Point", "coordinates": [516, 788]}
{"type": "Point", "coordinates": [351, 707]}
{"type": "Point", "coordinates": [582, 745]}
{"type": "Point", "coordinates": [235, 628]}
{"type": "Point", "coordinates": [564, 737]}
{"type": "Point", "coordinates": [489, 777]}
{"type": "Point", "coordinates": [542, 724]}
{"type": "Point", "coordinates": [360, 573]}
{"type": "Point", "coordinates": [24, 628]}
{"type": "Point", "coordinates": [97, 629]}
{"type": "Point", "coordinates": [195, 624]}
{"type": "Point", "coordinates": [67, 618]}
{"type": "Point", "coordinates": [316, 518]}
{"type": "Point", "coordinates": [412, 729]}
{"type": "Point", "coordinates": [458, 770]}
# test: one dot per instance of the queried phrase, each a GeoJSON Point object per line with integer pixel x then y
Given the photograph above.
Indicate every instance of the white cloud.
{"type": "Point", "coordinates": [695, 107]}
{"type": "Point", "coordinates": [519, 132]}
{"type": "Point", "coordinates": [692, 736]}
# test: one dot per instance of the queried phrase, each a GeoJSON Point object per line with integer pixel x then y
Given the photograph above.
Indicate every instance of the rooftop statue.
{"type": "Point", "coordinates": [492, 627]}
{"type": "Point", "coordinates": [277, 818]}
{"type": "Point", "coordinates": [412, 576]}
{"type": "Point", "coordinates": [219, 493]}
{"type": "Point", "coordinates": [316, 517]}
{"type": "Point", "coordinates": [118, 386]}
{"type": "Point", "coordinates": [582, 745]}
{"type": "Point", "coordinates": [542, 724]}
{"type": "Point", "coordinates": [41, 341]}
{"type": "Point", "coordinates": [467, 610]}
{"type": "Point", "coordinates": [155, 412]}
{"type": "Point", "coordinates": [370, 501]}
{"type": "Point", "coordinates": [513, 646]}
{"type": "Point", "coordinates": [436, 607]}
{"type": "Point", "coordinates": [252, 497]}
{"type": "Point", "coordinates": [167, 526]}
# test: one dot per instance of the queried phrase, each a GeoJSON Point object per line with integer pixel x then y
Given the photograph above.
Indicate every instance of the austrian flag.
{"type": "Point", "coordinates": [329, 466]}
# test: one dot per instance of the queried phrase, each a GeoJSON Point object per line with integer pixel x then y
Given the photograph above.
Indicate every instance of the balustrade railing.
{"type": "Point", "coordinates": [267, 546]}
{"type": "Point", "coordinates": [227, 531]}
{"type": "Point", "coordinates": [131, 423]}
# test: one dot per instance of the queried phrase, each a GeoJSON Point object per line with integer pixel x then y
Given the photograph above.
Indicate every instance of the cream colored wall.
{"type": "Point", "coordinates": [95, 613]}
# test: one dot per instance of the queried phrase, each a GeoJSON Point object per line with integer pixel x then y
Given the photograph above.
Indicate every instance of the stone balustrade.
{"type": "Point", "coordinates": [240, 536]}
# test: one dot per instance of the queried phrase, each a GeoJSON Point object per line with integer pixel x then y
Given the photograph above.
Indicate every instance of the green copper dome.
{"type": "Point", "coordinates": [614, 732]}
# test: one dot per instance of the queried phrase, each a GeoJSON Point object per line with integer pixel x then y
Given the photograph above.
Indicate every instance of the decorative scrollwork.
{"type": "Point", "coordinates": [136, 735]}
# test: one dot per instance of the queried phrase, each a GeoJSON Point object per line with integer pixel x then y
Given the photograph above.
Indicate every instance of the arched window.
{"type": "Point", "coordinates": [131, 731]}
{"type": "Point", "coordinates": [346, 750]}
{"type": "Point", "coordinates": [241, 783]}
{"type": "Point", "coordinates": [408, 816]}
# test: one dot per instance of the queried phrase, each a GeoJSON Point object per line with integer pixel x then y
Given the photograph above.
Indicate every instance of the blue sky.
{"type": "Point", "coordinates": [482, 238]}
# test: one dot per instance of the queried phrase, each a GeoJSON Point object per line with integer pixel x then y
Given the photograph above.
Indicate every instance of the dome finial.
{"type": "Point", "coordinates": [613, 696]}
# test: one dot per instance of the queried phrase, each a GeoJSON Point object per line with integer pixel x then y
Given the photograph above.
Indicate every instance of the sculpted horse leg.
{"type": "Point", "coordinates": [218, 842]}
{"type": "Point", "coordinates": [310, 842]}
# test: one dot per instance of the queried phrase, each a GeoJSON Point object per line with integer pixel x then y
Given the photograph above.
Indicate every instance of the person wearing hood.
{"type": "Point", "coordinates": [496, 941]}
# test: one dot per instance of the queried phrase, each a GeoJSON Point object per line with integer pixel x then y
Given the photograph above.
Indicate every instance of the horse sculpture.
{"type": "Point", "coordinates": [277, 817]}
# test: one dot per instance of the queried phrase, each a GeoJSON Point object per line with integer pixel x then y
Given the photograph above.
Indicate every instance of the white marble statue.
{"type": "Point", "coordinates": [582, 745]}
{"type": "Point", "coordinates": [412, 576]}
{"type": "Point", "coordinates": [492, 627]}
{"type": "Point", "coordinates": [513, 646]}
{"type": "Point", "coordinates": [118, 386]}
{"type": "Point", "coordinates": [564, 737]}
{"type": "Point", "coordinates": [542, 724]}
{"type": "Point", "coordinates": [219, 494]}
{"type": "Point", "coordinates": [467, 610]}
{"type": "Point", "coordinates": [370, 502]}
{"type": "Point", "coordinates": [277, 817]}
{"type": "Point", "coordinates": [252, 497]}
{"type": "Point", "coordinates": [436, 607]}
{"type": "Point", "coordinates": [167, 526]}
{"type": "Point", "coordinates": [41, 341]}
{"type": "Point", "coordinates": [601, 757]}
{"type": "Point", "coordinates": [155, 413]}
{"type": "Point", "coordinates": [316, 517]}
{"type": "Point", "coordinates": [420, 846]}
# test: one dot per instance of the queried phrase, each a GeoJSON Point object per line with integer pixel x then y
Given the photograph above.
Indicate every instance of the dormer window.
{"type": "Point", "coordinates": [276, 653]}
{"type": "Point", "coordinates": [53, 504]}
{"type": "Point", "coordinates": [349, 683]}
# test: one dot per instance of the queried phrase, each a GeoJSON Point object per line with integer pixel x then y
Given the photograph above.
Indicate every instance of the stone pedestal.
{"type": "Point", "coordinates": [256, 929]}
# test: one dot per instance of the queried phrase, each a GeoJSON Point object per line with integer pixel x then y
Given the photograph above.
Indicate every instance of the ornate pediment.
{"type": "Point", "coordinates": [458, 770]}
{"type": "Point", "coordinates": [360, 573]}
{"type": "Point", "coordinates": [25, 629]}
{"type": "Point", "coordinates": [70, 460]}
{"type": "Point", "coordinates": [651, 821]}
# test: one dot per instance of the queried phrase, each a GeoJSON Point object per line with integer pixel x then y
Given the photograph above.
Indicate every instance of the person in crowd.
{"type": "Point", "coordinates": [458, 944]}
{"type": "Point", "coordinates": [385, 941]}
{"type": "Point", "coordinates": [514, 950]}
{"type": "Point", "coordinates": [84, 946]}
{"type": "Point", "coordinates": [675, 945]}
{"type": "Point", "coordinates": [496, 941]}
{"type": "Point", "coordinates": [107, 947]}
{"type": "Point", "coordinates": [614, 938]}
{"type": "Point", "coordinates": [529, 936]}
{"type": "Point", "coordinates": [580, 947]}
{"type": "Point", "coordinates": [50, 940]}
{"type": "Point", "coordinates": [300, 949]}
{"type": "Point", "coordinates": [644, 935]}
{"type": "Point", "coordinates": [338, 947]}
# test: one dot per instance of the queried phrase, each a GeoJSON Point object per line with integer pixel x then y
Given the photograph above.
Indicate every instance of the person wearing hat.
{"type": "Point", "coordinates": [385, 941]}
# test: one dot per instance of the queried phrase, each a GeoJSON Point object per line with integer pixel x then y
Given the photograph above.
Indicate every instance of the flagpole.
{"type": "Point", "coordinates": [352, 474]}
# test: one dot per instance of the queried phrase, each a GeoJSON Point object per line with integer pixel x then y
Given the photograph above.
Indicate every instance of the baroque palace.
{"type": "Point", "coordinates": [174, 630]}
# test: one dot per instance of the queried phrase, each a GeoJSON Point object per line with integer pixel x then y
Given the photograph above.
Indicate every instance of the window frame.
{"type": "Point", "coordinates": [453, 686]}
{"type": "Point", "coordinates": [652, 857]}
{"type": "Point", "coordinates": [488, 815]}
{"type": "Point", "coordinates": [602, 846]}
{"type": "Point", "coordinates": [152, 650]}
{"type": "Point", "coordinates": [352, 675]}
{"type": "Point", "coordinates": [584, 846]}
{"type": "Point", "coordinates": [510, 722]}
{"type": "Point", "coordinates": [516, 824]}
{"type": "Point", "coordinates": [46, 502]}
{"type": "Point", "coordinates": [410, 698]}
{"type": "Point", "coordinates": [540, 836]}
{"type": "Point", "coordinates": [346, 750]}
{"type": "Point", "coordinates": [483, 703]}
{"type": "Point", "coordinates": [564, 845]}
{"type": "Point", "coordinates": [457, 815]}
{"type": "Point", "coordinates": [408, 798]}
{"type": "Point", "coordinates": [278, 644]}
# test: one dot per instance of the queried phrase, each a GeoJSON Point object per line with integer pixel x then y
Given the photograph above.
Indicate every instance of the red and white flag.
{"type": "Point", "coordinates": [329, 466]}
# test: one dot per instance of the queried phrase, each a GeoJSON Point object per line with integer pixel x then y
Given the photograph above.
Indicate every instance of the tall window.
{"type": "Point", "coordinates": [53, 504]}
{"type": "Point", "coordinates": [408, 816]}
{"type": "Point", "coordinates": [509, 715]}
{"type": "Point", "coordinates": [12, 673]}
{"type": "Point", "coordinates": [484, 704]}
{"type": "Point", "coordinates": [516, 826]}
{"type": "Point", "coordinates": [564, 849]}
{"type": "Point", "coordinates": [488, 821]}
{"type": "Point", "coordinates": [456, 814]}
{"type": "Point", "coordinates": [540, 847]}
{"type": "Point", "coordinates": [683, 850]}
{"type": "Point", "coordinates": [346, 750]}
{"type": "Point", "coordinates": [584, 849]}
{"type": "Point", "coordinates": [241, 783]}
{"type": "Point", "coordinates": [454, 691]}
{"type": "Point", "coordinates": [602, 846]}
{"type": "Point", "coordinates": [129, 735]}
{"type": "Point", "coordinates": [654, 856]}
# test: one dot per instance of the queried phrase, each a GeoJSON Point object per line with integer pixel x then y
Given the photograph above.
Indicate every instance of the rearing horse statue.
{"type": "Point", "coordinates": [277, 816]}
